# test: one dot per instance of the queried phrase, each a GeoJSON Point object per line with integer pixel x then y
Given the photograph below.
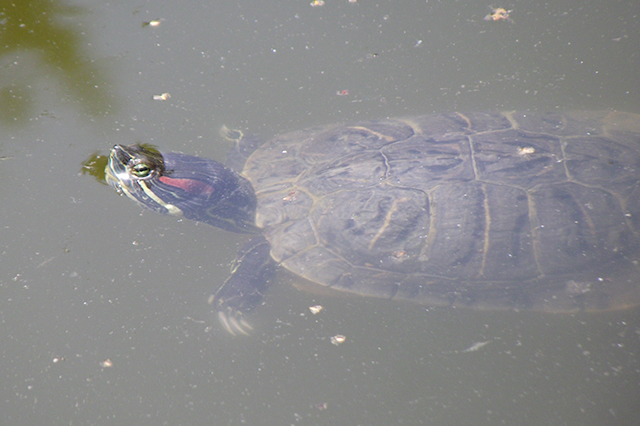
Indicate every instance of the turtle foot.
{"type": "Point", "coordinates": [242, 292]}
{"type": "Point", "coordinates": [231, 319]}
{"type": "Point", "coordinates": [234, 322]}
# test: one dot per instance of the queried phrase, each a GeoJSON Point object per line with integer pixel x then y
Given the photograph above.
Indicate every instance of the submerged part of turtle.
{"type": "Point", "coordinates": [517, 210]}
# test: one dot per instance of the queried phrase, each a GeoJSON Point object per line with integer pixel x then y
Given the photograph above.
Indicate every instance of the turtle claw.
{"type": "Point", "coordinates": [243, 290]}
{"type": "Point", "coordinates": [234, 323]}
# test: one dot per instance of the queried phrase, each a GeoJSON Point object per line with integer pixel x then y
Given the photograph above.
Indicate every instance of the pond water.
{"type": "Point", "coordinates": [103, 308]}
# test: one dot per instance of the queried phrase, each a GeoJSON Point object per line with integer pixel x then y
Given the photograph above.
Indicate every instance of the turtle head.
{"type": "Point", "coordinates": [135, 171]}
{"type": "Point", "coordinates": [181, 185]}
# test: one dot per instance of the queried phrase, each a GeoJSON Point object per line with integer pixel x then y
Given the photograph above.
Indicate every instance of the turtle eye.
{"type": "Point", "coordinates": [141, 170]}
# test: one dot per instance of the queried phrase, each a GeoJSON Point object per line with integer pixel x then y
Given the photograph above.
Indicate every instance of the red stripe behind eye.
{"type": "Point", "coordinates": [191, 186]}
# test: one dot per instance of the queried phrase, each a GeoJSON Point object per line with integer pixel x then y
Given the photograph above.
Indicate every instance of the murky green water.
{"type": "Point", "coordinates": [102, 308]}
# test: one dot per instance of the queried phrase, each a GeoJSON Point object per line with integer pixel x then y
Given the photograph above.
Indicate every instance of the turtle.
{"type": "Point", "coordinates": [516, 210]}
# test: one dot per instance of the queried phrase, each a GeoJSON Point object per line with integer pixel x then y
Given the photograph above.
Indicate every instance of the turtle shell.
{"type": "Point", "coordinates": [513, 210]}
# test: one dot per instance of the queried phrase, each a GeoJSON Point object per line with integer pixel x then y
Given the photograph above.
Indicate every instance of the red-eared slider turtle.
{"type": "Point", "coordinates": [517, 210]}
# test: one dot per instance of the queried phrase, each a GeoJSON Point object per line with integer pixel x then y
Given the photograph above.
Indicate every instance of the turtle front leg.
{"type": "Point", "coordinates": [251, 274]}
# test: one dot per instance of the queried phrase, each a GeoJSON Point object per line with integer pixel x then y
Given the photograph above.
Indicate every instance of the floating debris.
{"type": "Point", "coordinates": [152, 23]}
{"type": "Point", "coordinates": [162, 97]}
{"type": "Point", "coordinates": [498, 14]}
{"type": "Point", "coordinates": [476, 346]}
{"type": "Point", "coordinates": [317, 3]}
{"type": "Point", "coordinates": [399, 254]}
{"type": "Point", "coordinates": [107, 363]}
{"type": "Point", "coordinates": [321, 406]}
{"type": "Point", "coordinates": [525, 151]}
{"type": "Point", "coordinates": [291, 196]}
{"type": "Point", "coordinates": [316, 309]}
{"type": "Point", "coordinates": [338, 339]}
